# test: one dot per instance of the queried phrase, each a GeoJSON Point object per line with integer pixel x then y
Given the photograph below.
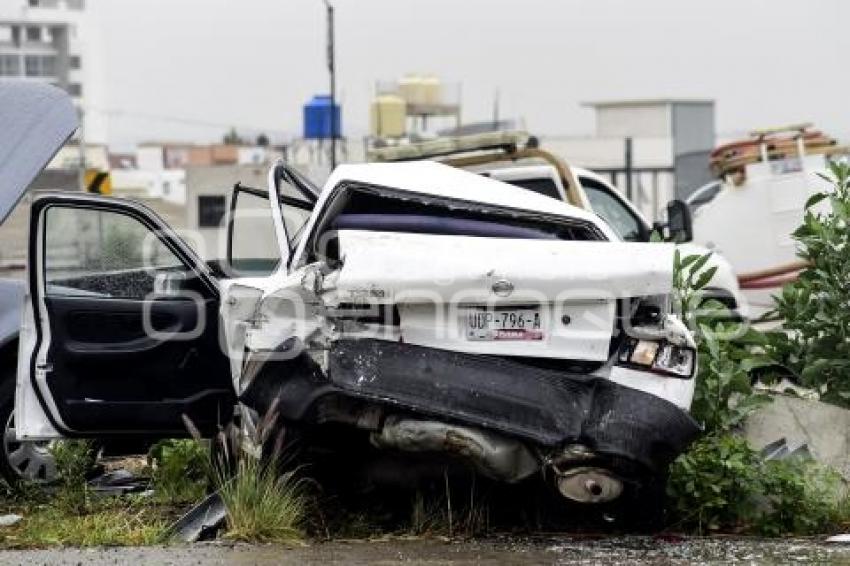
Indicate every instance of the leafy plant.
{"type": "Point", "coordinates": [728, 350]}
{"type": "Point", "coordinates": [816, 307]}
{"type": "Point", "coordinates": [711, 486]}
{"type": "Point", "coordinates": [727, 353]}
{"type": "Point", "coordinates": [180, 470]}
{"type": "Point", "coordinates": [74, 459]}
{"type": "Point", "coordinates": [689, 281]}
{"type": "Point", "coordinates": [803, 498]}
{"type": "Point", "coordinates": [723, 484]}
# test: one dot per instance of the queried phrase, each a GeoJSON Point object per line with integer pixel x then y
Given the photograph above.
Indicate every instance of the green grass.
{"type": "Point", "coordinates": [262, 504]}
{"type": "Point", "coordinates": [110, 523]}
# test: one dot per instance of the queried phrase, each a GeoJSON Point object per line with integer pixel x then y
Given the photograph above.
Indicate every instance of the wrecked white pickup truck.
{"type": "Point", "coordinates": [503, 330]}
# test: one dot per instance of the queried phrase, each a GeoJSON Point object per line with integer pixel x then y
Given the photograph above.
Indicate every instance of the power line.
{"type": "Point", "coordinates": [182, 120]}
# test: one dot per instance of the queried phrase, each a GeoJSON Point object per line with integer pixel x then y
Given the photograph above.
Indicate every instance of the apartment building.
{"type": "Point", "coordinates": [52, 41]}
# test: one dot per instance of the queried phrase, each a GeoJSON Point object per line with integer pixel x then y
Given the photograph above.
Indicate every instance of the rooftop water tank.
{"type": "Point", "coordinates": [388, 116]}
{"type": "Point", "coordinates": [317, 118]}
{"type": "Point", "coordinates": [411, 89]}
{"type": "Point", "coordinates": [430, 86]}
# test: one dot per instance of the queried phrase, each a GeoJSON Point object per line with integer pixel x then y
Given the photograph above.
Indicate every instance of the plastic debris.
{"type": "Point", "coordinates": [201, 522]}
{"type": "Point", "coordinates": [9, 520]}
{"type": "Point", "coordinates": [118, 482]}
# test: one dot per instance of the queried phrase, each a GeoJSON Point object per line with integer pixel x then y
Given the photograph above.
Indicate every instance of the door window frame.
{"type": "Point", "coordinates": [278, 174]}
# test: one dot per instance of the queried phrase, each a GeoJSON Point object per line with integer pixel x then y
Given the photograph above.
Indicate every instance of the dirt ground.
{"type": "Point", "coordinates": [509, 551]}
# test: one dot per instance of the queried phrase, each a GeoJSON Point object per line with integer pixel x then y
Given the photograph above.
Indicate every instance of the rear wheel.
{"type": "Point", "coordinates": [21, 460]}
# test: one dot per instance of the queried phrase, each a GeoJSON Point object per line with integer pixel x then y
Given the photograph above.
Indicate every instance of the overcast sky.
{"type": "Point", "coordinates": [253, 63]}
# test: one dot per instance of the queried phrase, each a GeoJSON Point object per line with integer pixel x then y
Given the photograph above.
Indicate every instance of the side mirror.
{"type": "Point", "coordinates": [679, 222]}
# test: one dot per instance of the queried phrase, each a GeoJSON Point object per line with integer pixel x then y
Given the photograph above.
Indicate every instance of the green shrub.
{"type": "Point", "coordinates": [723, 484]}
{"type": "Point", "coordinates": [728, 350]}
{"type": "Point", "coordinates": [180, 470]}
{"type": "Point", "coordinates": [711, 486]}
{"type": "Point", "coordinates": [720, 483]}
{"type": "Point", "coordinates": [815, 307]}
{"type": "Point", "coordinates": [74, 460]}
{"type": "Point", "coordinates": [804, 498]}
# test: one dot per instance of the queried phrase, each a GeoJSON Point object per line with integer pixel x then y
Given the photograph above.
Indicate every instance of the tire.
{"type": "Point", "coordinates": [20, 461]}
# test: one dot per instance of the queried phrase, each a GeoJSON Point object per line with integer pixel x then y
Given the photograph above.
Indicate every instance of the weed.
{"type": "Point", "coordinates": [109, 523]}
{"type": "Point", "coordinates": [180, 470]}
{"type": "Point", "coordinates": [439, 514]}
{"type": "Point", "coordinates": [263, 505]}
{"type": "Point", "coordinates": [723, 484]}
{"type": "Point", "coordinates": [74, 459]}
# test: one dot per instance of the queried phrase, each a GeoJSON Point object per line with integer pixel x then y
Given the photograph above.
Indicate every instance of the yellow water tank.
{"type": "Point", "coordinates": [388, 113]}
{"type": "Point", "coordinates": [430, 87]}
{"type": "Point", "coordinates": [410, 87]}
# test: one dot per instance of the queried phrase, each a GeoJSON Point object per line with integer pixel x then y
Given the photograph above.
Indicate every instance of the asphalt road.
{"type": "Point", "coordinates": [508, 551]}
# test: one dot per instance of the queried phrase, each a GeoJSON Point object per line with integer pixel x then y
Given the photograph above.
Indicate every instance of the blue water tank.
{"type": "Point", "coordinates": [317, 118]}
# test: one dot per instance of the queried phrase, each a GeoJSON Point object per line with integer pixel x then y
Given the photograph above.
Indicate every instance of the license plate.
{"type": "Point", "coordinates": [504, 324]}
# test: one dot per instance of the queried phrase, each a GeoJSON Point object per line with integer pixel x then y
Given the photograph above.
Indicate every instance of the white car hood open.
{"type": "Point", "coordinates": [397, 266]}
{"type": "Point", "coordinates": [35, 121]}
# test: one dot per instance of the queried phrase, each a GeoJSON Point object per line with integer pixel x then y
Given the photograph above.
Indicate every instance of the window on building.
{"type": "Point", "coordinates": [40, 65]}
{"type": "Point", "coordinates": [211, 210]}
{"type": "Point", "coordinates": [10, 65]}
{"type": "Point", "coordinates": [75, 62]}
{"type": "Point", "coordinates": [5, 34]}
{"type": "Point", "coordinates": [75, 89]}
{"type": "Point", "coordinates": [48, 66]}
{"type": "Point", "coordinates": [34, 3]}
{"type": "Point", "coordinates": [32, 64]}
{"type": "Point", "coordinates": [33, 33]}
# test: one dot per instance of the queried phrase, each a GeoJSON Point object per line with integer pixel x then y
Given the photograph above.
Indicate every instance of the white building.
{"type": "Point", "coordinates": [53, 41]}
{"type": "Point", "coordinates": [670, 143]}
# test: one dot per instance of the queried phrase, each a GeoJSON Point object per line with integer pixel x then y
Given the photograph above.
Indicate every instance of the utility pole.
{"type": "Point", "coordinates": [332, 71]}
{"type": "Point", "coordinates": [629, 167]}
{"type": "Point", "coordinates": [496, 110]}
{"type": "Point", "coordinates": [81, 137]}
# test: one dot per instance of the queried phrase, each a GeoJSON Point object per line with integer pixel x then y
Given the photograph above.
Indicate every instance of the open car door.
{"type": "Point", "coordinates": [122, 330]}
{"type": "Point", "coordinates": [263, 226]}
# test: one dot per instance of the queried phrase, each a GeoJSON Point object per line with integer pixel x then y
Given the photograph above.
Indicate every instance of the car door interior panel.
{"type": "Point", "coordinates": [132, 335]}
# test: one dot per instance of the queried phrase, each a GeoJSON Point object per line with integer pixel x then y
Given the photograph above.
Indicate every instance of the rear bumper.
{"type": "Point", "coordinates": [546, 408]}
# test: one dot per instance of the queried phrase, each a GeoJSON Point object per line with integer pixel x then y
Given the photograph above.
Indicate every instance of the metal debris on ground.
{"type": "Point", "coordinates": [201, 522]}
{"type": "Point", "coordinates": [118, 482]}
{"type": "Point", "coordinates": [779, 450]}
